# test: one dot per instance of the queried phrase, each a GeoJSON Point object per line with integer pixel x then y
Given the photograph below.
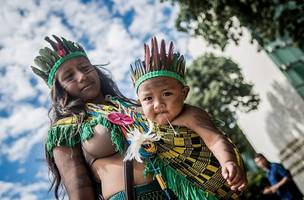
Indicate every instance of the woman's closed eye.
{"type": "Point", "coordinates": [68, 78]}
{"type": "Point", "coordinates": [86, 69]}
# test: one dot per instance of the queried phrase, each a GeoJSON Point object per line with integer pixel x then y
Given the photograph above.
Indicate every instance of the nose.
{"type": "Point", "coordinates": [81, 77]}
{"type": "Point", "coordinates": [159, 105]}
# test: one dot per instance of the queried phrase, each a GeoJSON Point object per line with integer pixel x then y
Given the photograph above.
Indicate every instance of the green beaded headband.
{"type": "Point", "coordinates": [61, 61]}
{"type": "Point", "coordinates": [157, 64]}
{"type": "Point", "coordinates": [160, 73]}
{"type": "Point", "coordinates": [49, 60]}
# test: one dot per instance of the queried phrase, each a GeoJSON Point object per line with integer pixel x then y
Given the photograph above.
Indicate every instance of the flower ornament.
{"type": "Point", "coordinates": [120, 119]}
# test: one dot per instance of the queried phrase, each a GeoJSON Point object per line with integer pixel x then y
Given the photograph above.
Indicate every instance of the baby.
{"type": "Point", "coordinates": [161, 89]}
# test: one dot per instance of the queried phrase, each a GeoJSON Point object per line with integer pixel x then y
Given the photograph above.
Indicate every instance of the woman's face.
{"type": "Point", "coordinates": [80, 80]}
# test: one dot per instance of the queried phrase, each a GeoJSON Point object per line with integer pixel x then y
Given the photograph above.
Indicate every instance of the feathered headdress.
{"type": "Point", "coordinates": [158, 64]}
{"type": "Point", "coordinates": [49, 60]}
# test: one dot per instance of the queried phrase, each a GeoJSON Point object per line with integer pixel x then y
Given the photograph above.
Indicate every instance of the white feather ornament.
{"type": "Point", "coordinates": [137, 139]}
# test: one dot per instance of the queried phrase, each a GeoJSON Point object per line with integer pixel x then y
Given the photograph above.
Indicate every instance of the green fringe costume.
{"type": "Point", "coordinates": [150, 191]}
{"type": "Point", "coordinates": [188, 167]}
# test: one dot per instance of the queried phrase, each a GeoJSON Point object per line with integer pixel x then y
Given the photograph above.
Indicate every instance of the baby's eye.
{"type": "Point", "coordinates": [147, 98]}
{"type": "Point", "coordinates": [167, 94]}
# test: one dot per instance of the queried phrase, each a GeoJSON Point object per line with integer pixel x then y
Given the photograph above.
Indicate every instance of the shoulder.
{"type": "Point", "coordinates": [66, 121]}
{"type": "Point", "coordinates": [279, 168]}
{"type": "Point", "coordinates": [63, 133]}
{"type": "Point", "coordinates": [195, 111]}
{"type": "Point", "coordinates": [277, 165]}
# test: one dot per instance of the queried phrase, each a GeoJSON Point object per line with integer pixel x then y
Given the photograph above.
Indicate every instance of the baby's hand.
{"type": "Point", "coordinates": [234, 175]}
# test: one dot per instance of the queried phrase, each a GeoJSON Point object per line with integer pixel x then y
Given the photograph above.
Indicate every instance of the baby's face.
{"type": "Point", "coordinates": [162, 99]}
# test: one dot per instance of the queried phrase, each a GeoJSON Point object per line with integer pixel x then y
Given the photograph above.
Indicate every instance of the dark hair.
{"type": "Point", "coordinates": [259, 155]}
{"type": "Point", "coordinates": [63, 105]}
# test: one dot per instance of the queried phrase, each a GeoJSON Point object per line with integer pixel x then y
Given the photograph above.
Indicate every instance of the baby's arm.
{"type": "Point", "coordinates": [199, 121]}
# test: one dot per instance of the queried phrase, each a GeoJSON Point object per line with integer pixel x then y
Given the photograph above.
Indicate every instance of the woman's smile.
{"type": "Point", "coordinates": [87, 87]}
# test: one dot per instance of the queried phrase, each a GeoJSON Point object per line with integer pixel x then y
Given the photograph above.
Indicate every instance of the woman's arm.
{"type": "Point", "coordinates": [71, 165]}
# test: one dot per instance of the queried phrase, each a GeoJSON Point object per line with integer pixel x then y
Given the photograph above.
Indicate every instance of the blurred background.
{"type": "Point", "coordinates": [245, 66]}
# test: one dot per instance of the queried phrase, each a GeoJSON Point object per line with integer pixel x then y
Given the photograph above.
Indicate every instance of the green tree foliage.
{"type": "Point", "coordinates": [218, 86]}
{"type": "Point", "coordinates": [220, 21]}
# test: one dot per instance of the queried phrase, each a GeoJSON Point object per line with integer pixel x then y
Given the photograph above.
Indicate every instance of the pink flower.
{"type": "Point", "coordinates": [120, 119]}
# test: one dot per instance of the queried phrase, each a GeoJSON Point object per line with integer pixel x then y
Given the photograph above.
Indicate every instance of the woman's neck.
{"type": "Point", "coordinates": [99, 100]}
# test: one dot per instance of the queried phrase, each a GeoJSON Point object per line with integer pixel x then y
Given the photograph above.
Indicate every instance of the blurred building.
{"type": "Point", "coordinates": [277, 127]}
{"type": "Point", "coordinates": [290, 61]}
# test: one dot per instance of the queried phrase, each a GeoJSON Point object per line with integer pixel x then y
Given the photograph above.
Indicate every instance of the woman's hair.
{"type": "Point", "coordinates": [63, 105]}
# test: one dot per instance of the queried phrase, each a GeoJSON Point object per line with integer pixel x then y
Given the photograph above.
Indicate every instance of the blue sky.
{"type": "Point", "coordinates": [111, 31]}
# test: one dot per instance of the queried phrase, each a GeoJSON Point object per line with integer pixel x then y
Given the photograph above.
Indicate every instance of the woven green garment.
{"type": "Point", "coordinates": [188, 167]}
{"type": "Point", "coordinates": [186, 153]}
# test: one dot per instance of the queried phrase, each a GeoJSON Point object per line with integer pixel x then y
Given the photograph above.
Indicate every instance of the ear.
{"type": "Point", "coordinates": [138, 102]}
{"type": "Point", "coordinates": [185, 91]}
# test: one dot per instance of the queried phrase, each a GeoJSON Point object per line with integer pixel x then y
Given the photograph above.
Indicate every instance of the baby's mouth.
{"type": "Point", "coordinates": [168, 122]}
{"type": "Point", "coordinates": [163, 114]}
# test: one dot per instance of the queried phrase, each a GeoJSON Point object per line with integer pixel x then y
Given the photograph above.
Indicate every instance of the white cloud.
{"type": "Point", "coordinates": [26, 126]}
{"type": "Point", "coordinates": [42, 173]}
{"type": "Point", "coordinates": [21, 171]}
{"type": "Point", "coordinates": [122, 6]}
{"type": "Point", "coordinates": [149, 18]}
{"type": "Point", "coordinates": [23, 118]}
{"type": "Point", "coordinates": [11, 190]}
{"type": "Point", "coordinates": [15, 85]}
{"type": "Point", "coordinates": [21, 148]}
